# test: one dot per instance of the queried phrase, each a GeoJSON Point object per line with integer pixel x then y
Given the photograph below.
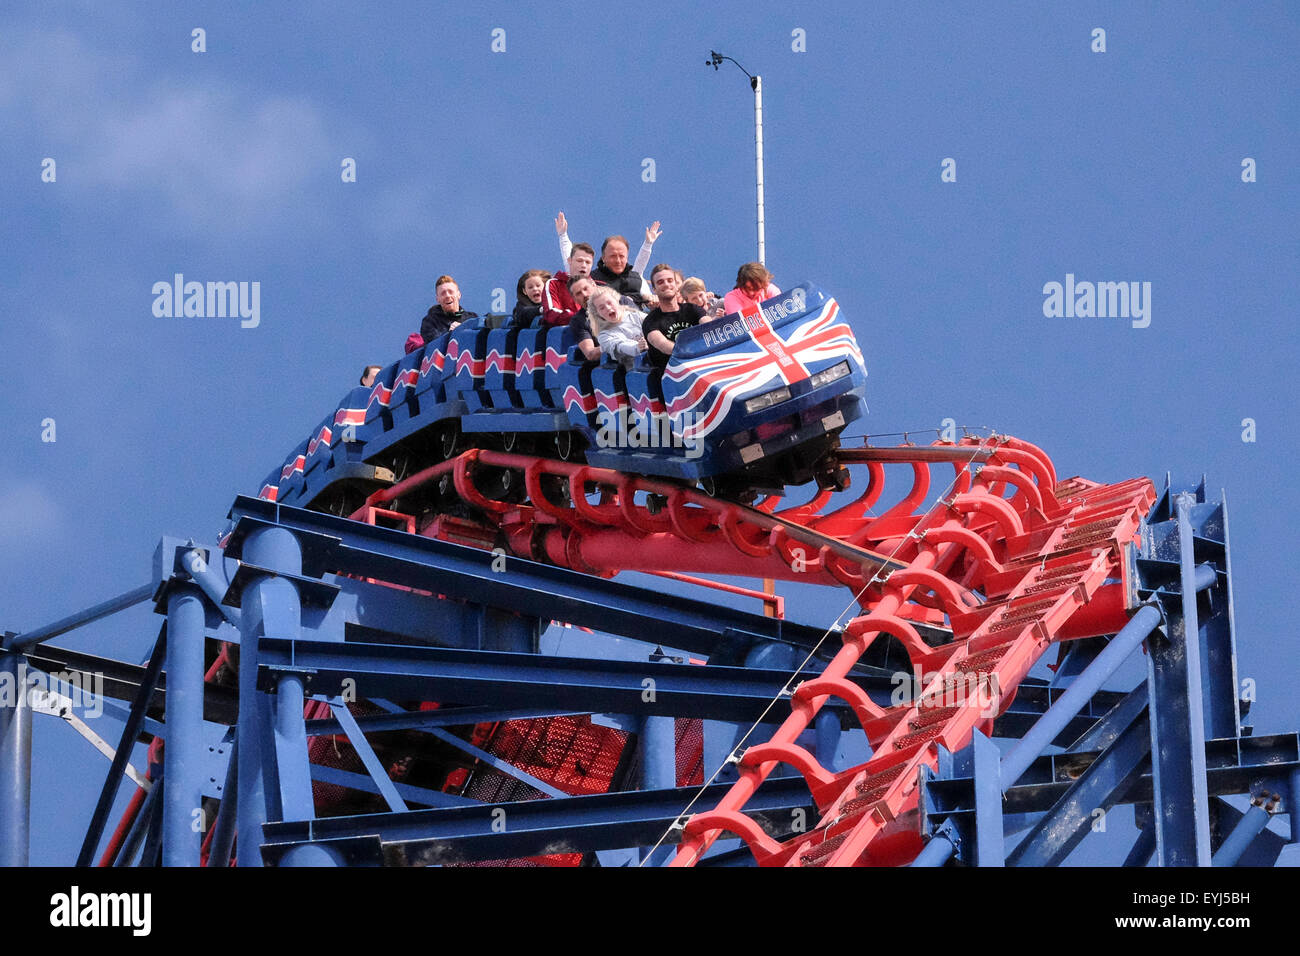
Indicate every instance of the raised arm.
{"type": "Point", "coordinates": [643, 256]}
{"type": "Point", "coordinates": [562, 230]}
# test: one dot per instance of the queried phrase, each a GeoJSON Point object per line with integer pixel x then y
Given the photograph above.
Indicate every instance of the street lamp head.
{"type": "Point", "coordinates": [715, 60]}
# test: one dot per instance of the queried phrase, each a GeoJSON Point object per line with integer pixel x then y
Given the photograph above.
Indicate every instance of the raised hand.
{"type": "Point", "coordinates": [651, 231]}
{"type": "Point", "coordinates": [562, 224]}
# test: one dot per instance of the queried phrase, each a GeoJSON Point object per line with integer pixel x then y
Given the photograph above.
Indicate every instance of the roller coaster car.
{"type": "Point", "coordinates": [752, 401]}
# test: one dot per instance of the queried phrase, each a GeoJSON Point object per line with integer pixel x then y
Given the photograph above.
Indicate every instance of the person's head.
{"type": "Point", "coordinates": [613, 252]}
{"type": "Point", "coordinates": [531, 285]}
{"type": "Point", "coordinates": [752, 279]}
{"type": "Point", "coordinates": [663, 279]}
{"type": "Point", "coordinates": [694, 291]}
{"type": "Point", "coordinates": [368, 375]}
{"type": "Point", "coordinates": [581, 288]}
{"type": "Point", "coordinates": [581, 259]}
{"type": "Point", "coordinates": [448, 294]}
{"type": "Point", "coordinates": [604, 309]}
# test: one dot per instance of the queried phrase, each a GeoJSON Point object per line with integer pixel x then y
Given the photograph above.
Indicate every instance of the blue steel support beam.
{"type": "Point", "coordinates": [531, 680]}
{"type": "Point", "coordinates": [827, 727]}
{"type": "Point", "coordinates": [942, 845]}
{"type": "Point", "coordinates": [1248, 827]}
{"type": "Point", "coordinates": [532, 827]}
{"type": "Point", "coordinates": [532, 590]}
{"type": "Point", "coordinates": [17, 642]}
{"type": "Point", "coordinates": [135, 835]}
{"type": "Point", "coordinates": [130, 730]}
{"type": "Point", "coordinates": [312, 855]}
{"type": "Point", "coordinates": [990, 848]}
{"type": "Point", "coordinates": [1235, 766]}
{"type": "Point", "coordinates": [1041, 735]}
{"type": "Point", "coordinates": [497, 763]}
{"type": "Point", "coordinates": [151, 854]}
{"type": "Point", "coordinates": [1182, 814]}
{"type": "Point", "coordinates": [1088, 683]}
{"type": "Point", "coordinates": [1116, 720]}
{"type": "Point", "coordinates": [224, 839]}
{"type": "Point", "coordinates": [184, 727]}
{"type": "Point", "coordinates": [291, 760]}
{"type": "Point", "coordinates": [411, 794]}
{"type": "Point", "coordinates": [1143, 847]}
{"type": "Point", "coordinates": [658, 751]}
{"type": "Point", "coordinates": [1293, 803]}
{"type": "Point", "coordinates": [442, 717]}
{"type": "Point", "coordinates": [15, 761]}
{"type": "Point", "coordinates": [1099, 787]}
{"type": "Point", "coordinates": [270, 608]}
{"type": "Point", "coordinates": [367, 754]}
{"type": "Point", "coordinates": [198, 563]}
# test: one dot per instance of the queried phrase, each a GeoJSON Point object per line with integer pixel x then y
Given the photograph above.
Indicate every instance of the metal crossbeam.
{"type": "Point", "coordinates": [531, 680]}
{"type": "Point", "coordinates": [1235, 766]}
{"type": "Point", "coordinates": [331, 544]}
{"type": "Point", "coordinates": [528, 828]}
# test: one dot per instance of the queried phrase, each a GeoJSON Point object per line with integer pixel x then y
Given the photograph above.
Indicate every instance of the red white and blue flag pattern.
{"type": "Point", "coordinates": [700, 392]}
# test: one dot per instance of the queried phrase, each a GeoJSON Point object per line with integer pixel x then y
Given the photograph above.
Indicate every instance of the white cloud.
{"type": "Point", "coordinates": [225, 158]}
{"type": "Point", "coordinates": [28, 516]}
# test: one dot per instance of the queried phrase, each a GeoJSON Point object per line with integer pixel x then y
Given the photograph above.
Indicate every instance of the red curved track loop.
{"type": "Point", "coordinates": [1005, 561]}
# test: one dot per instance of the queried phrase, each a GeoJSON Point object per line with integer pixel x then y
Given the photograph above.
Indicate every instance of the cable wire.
{"type": "Point", "coordinates": [785, 690]}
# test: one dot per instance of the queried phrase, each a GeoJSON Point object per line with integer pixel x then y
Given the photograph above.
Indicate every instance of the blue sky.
{"type": "Point", "coordinates": [224, 165]}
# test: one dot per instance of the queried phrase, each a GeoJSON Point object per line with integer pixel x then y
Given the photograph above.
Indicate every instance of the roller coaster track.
{"type": "Point", "coordinates": [974, 589]}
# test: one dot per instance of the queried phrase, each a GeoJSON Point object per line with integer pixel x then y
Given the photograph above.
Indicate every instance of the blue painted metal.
{"type": "Point", "coordinates": [529, 680]}
{"type": "Point", "coordinates": [985, 768]}
{"type": "Point", "coordinates": [181, 757]}
{"type": "Point", "coordinates": [1238, 842]}
{"type": "Point", "coordinates": [532, 589]}
{"type": "Point", "coordinates": [130, 730]}
{"type": "Point", "coordinates": [1115, 722]}
{"type": "Point", "coordinates": [1293, 803]}
{"type": "Point", "coordinates": [313, 855]}
{"type": "Point", "coordinates": [223, 840]}
{"type": "Point", "coordinates": [442, 717]}
{"type": "Point", "coordinates": [367, 754]}
{"type": "Point", "coordinates": [1143, 847]}
{"type": "Point", "coordinates": [139, 826]}
{"type": "Point", "coordinates": [270, 608]}
{"type": "Point", "coordinates": [828, 732]}
{"type": "Point", "coordinates": [531, 827]}
{"type": "Point", "coordinates": [657, 747]}
{"type": "Point", "coordinates": [72, 621]}
{"type": "Point", "coordinates": [207, 568]}
{"type": "Point", "coordinates": [942, 844]}
{"type": "Point", "coordinates": [1040, 737]}
{"type": "Point", "coordinates": [293, 767]}
{"type": "Point", "coordinates": [15, 761]}
{"type": "Point", "coordinates": [1100, 787]}
{"type": "Point", "coordinates": [1158, 569]}
{"type": "Point", "coordinates": [411, 794]}
{"type": "Point", "coordinates": [151, 852]}
{"type": "Point", "coordinates": [497, 763]}
{"type": "Point", "coordinates": [1181, 806]}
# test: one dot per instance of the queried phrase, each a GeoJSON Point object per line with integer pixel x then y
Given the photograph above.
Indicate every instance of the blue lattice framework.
{"type": "Point", "coordinates": [448, 625]}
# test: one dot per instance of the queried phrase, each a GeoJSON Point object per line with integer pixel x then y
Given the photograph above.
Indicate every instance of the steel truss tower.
{"type": "Point", "coordinates": [386, 688]}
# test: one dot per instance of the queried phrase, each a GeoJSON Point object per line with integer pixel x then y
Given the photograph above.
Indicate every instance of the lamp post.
{"type": "Point", "coordinates": [756, 84]}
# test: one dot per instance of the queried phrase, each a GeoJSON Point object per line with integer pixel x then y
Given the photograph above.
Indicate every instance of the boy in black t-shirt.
{"type": "Point", "coordinates": [661, 326]}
